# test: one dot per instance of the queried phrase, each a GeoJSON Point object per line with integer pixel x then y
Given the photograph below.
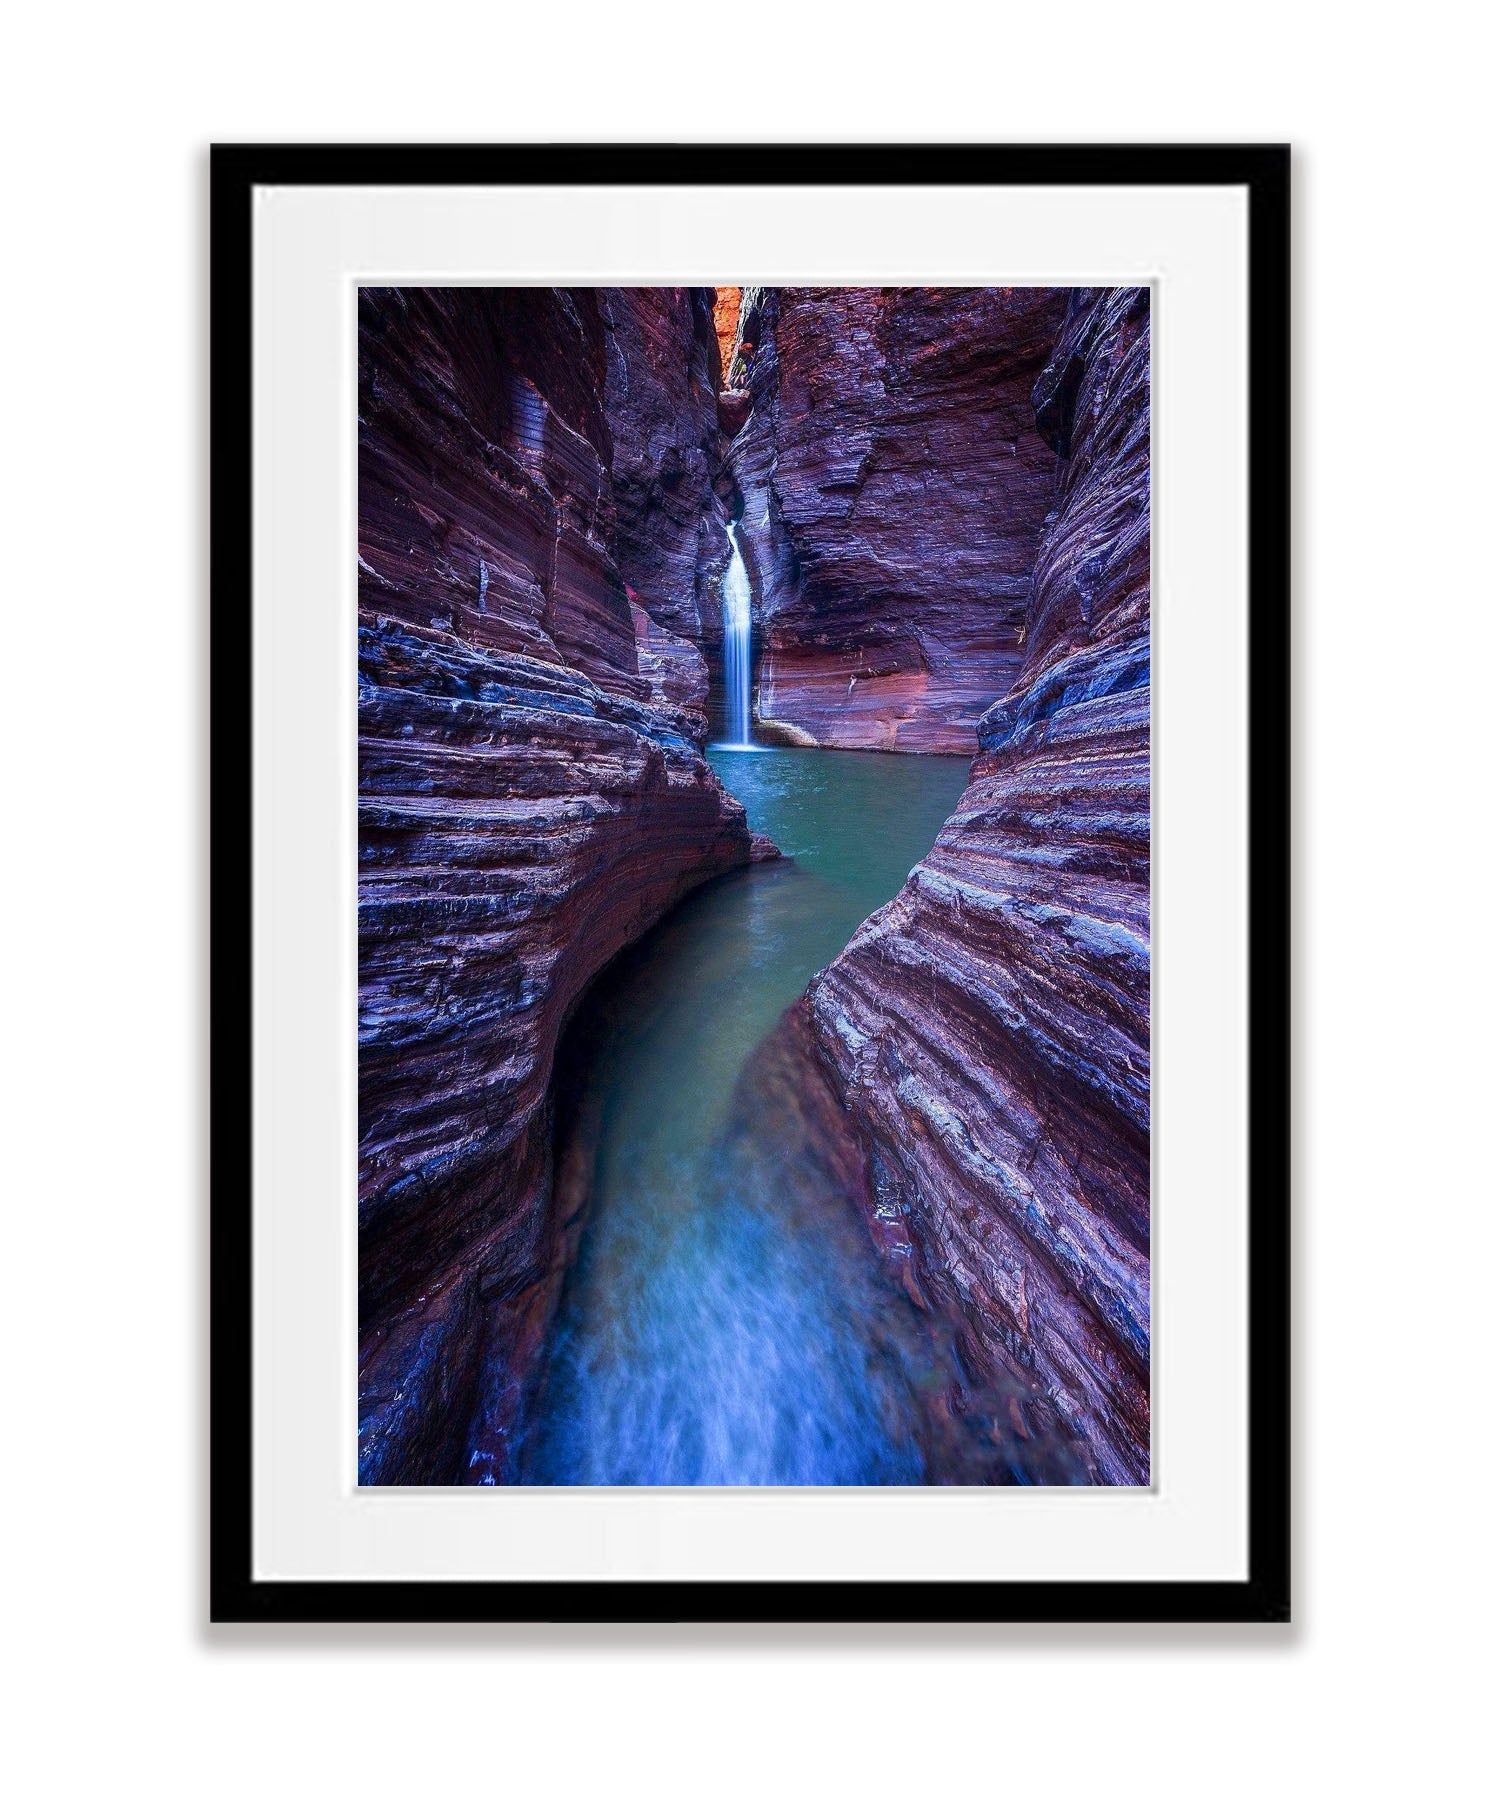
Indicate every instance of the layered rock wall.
{"type": "Point", "coordinates": [532, 797]}
{"type": "Point", "coordinates": [990, 1027]}
{"type": "Point", "coordinates": [944, 498]}
{"type": "Point", "coordinates": [661, 400]}
{"type": "Point", "coordinates": [894, 485]}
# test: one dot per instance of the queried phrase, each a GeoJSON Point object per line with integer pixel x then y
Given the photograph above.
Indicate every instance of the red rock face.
{"type": "Point", "coordinates": [532, 798]}
{"type": "Point", "coordinates": [726, 326]}
{"type": "Point", "coordinates": [895, 485]}
{"type": "Point", "coordinates": [734, 410]}
{"type": "Point", "coordinates": [990, 1027]}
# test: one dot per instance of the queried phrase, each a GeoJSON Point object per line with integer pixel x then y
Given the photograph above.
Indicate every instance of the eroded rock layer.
{"type": "Point", "coordinates": [675, 669]}
{"type": "Point", "coordinates": [894, 485]}
{"type": "Point", "coordinates": [661, 402]}
{"type": "Point", "coordinates": [532, 797]}
{"type": "Point", "coordinates": [990, 1027]}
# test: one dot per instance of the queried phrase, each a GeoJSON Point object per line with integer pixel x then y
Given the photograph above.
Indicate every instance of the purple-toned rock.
{"type": "Point", "coordinates": [532, 798]}
{"type": "Point", "coordinates": [486, 507]}
{"type": "Point", "coordinates": [990, 1028]}
{"type": "Point", "coordinates": [676, 672]}
{"type": "Point", "coordinates": [894, 485]}
{"type": "Point", "coordinates": [660, 398]}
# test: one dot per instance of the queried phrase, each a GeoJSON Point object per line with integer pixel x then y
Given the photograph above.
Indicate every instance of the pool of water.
{"type": "Point", "coordinates": [724, 1324]}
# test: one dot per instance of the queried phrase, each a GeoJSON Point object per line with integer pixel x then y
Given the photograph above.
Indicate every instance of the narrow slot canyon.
{"type": "Point", "coordinates": [754, 826]}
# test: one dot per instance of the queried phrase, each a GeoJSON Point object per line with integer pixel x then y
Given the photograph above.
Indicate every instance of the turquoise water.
{"type": "Point", "coordinates": [726, 1320]}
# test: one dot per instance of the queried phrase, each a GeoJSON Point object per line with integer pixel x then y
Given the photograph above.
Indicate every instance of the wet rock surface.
{"type": "Point", "coordinates": [737, 1311]}
{"type": "Point", "coordinates": [989, 1029]}
{"type": "Point", "coordinates": [894, 486]}
{"type": "Point", "coordinates": [532, 797]}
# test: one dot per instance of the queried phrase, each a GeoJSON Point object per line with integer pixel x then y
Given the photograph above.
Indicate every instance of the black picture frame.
{"type": "Point", "coordinates": [1263, 171]}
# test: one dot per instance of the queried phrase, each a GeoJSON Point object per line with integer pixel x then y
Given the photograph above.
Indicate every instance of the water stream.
{"type": "Point", "coordinates": [724, 1324]}
{"type": "Point", "coordinates": [737, 648]}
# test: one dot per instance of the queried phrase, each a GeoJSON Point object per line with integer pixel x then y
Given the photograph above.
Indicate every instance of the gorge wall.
{"type": "Point", "coordinates": [944, 505]}
{"type": "Point", "coordinates": [894, 485]}
{"type": "Point", "coordinates": [538, 530]}
{"type": "Point", "coordinates": [989, 1029]}
{"type": "Point", "coordinates": [660, 399]}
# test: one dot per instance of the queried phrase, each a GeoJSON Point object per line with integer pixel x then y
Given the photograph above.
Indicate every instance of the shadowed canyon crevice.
{"type": "Point", "coordinates": [915, 1198]}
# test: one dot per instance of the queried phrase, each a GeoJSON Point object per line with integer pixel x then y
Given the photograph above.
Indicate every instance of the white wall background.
{"type": "Point", "coordinates": [118, 1684]}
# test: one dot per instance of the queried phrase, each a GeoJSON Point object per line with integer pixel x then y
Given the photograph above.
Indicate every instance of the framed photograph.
{"type": "Point", "coordinates": [750, 753]}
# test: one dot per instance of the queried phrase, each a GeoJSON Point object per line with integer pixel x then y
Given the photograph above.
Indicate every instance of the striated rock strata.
{"type": "Point", "coordinates": [894, 485]}
{"type": "Point", "coordinates": [990, 1027]}
{"type": "Point", "coordinates": [532, 796]}
{"type": "Point", "coordinates": [661, 400]}
{"type": "Point", "coordinates": [675, 670]}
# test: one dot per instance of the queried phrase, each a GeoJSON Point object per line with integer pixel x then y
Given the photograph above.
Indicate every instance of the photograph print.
{"type": "Point", "coordinates": [754, 697]}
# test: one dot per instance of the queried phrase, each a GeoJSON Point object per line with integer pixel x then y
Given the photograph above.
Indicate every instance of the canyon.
{"type": "Point", "coordinates": [532, 796]}
{"type": "Point", "coordinates": [894, 485]}
{"type": "Point", "coordinates": [989, 1029]}
{"type": "Point", "coordinates": [941, 501]}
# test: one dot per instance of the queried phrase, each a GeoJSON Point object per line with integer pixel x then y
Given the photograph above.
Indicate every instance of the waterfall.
{"type": "Point", "coordinates": [737, 646]}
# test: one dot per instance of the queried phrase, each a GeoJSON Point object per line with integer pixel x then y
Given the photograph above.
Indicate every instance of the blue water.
{"type": "Point", "coordinates": [726, 1320]}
